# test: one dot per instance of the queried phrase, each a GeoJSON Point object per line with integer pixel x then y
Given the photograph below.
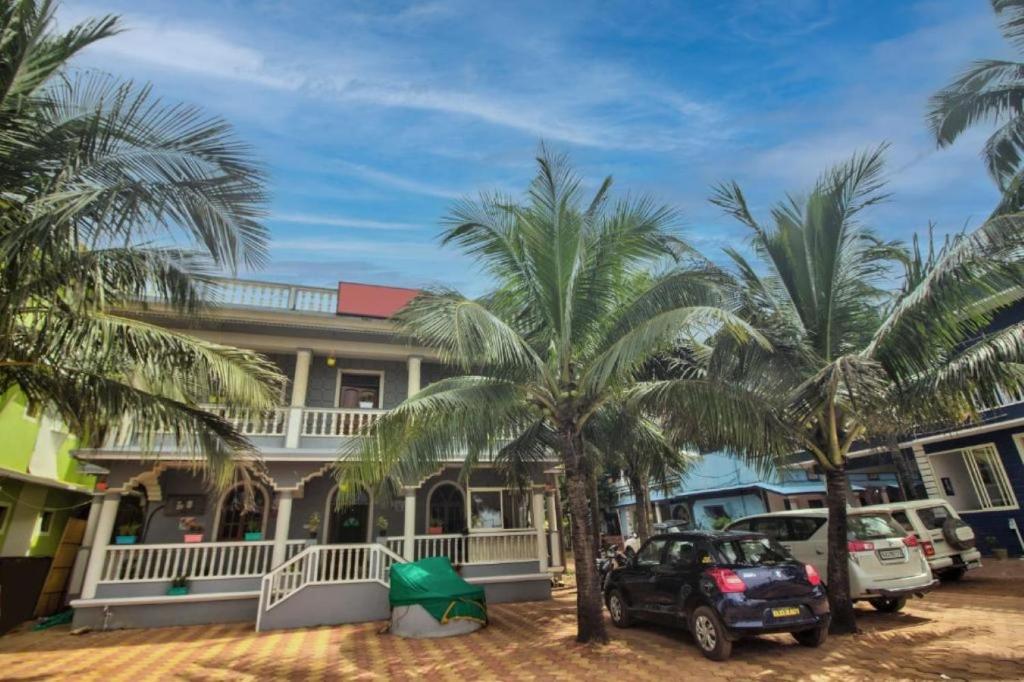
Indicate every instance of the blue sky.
{"type": "Point", "coordinates": [373, 117]}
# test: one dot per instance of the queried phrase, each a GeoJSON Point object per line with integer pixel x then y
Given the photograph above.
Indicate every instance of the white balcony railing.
{"type": "Point", "coordinates": [272, 422]}
{"type": "Point", "coordinates": [337, 421]}
{"type": "Point", "coordinates": [475, 548]}
{"type": "Point", "coordinates": [250, 293]}
{"type": "Point", "coordinates": [140, 563]}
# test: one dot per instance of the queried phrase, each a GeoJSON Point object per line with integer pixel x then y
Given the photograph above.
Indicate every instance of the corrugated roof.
{"type": "Point", "coordinates": [371, 300]}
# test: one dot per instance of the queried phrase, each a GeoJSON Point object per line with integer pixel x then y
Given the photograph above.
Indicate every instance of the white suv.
{"type": "Point", "coordinates": [947, 541]}
{"type": "Point", "coordinates": [886, 564]}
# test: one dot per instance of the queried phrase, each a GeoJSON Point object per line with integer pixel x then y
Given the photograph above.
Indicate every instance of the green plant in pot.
{"type": "Point", "coordinates": [253, 529]}
{"type": "Point", "coordinates": [127, 533]}
{"type": "Point", "coordinates": [998, 551]}
{"type": "Point", "coordinates": [312, 527]}
{"type": "Point", "coordinates": [382, 527]}
{"type": "Point", "coordinates": [179, 586]}
{"type": "Point", "coordinates": [193, 529]}
{"type": "Point", "coordinates": [436, 527]}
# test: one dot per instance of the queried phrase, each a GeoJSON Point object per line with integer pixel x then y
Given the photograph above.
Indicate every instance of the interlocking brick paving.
{"type": "Point", "coordinates": [968, 630]}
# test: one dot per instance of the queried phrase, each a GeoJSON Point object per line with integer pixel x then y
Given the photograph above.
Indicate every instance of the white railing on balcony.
{"type": "Point", "coordinates": [140, 563]}
{"type": "Point", "coordinates": [327, 565]}
{"type": "Point", "coordinates": [251, 293]}
{"type": "Point", "coordinates": [475, 548]}
{"type": "Point", "coordinates": [272, 422]}
{"type": "Point", "coordinates": [337, 421]}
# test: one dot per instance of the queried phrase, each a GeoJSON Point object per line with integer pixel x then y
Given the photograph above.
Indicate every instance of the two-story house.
{"type": "Point", "coordinates": [281, 552]}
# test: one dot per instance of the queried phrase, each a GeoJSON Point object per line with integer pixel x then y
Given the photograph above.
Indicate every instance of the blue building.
{"type": "Point", "coordinates": [722, 486]}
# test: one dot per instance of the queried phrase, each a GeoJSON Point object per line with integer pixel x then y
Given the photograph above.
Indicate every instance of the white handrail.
{"type": "Point", "coordinates": [272, 422]}
{"type": "Point", "coordinates": [327, 565]}
{"type": "Point", "coordinates": [338, 421]}
{"type": "Point", "coordinates": [252, 293]}
{"type": "Point", "coordinates": [475, 548]}
{"type": "Point", "coordinates": [141, 563]}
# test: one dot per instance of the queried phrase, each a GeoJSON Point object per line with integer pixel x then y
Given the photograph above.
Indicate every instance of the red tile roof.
{"type": "Point", "coordinates": [370, 300]}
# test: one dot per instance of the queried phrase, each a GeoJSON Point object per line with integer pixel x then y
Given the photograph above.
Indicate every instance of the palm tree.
{"type": "Point", "coordinates": [852, 358]}
{"type": "Point", "coordinates": [990, 90]}
{"type": "Point", "coordinates": [109, 197]}
{"type": "Point", "coordinates": [561, 337]}
{"type": "Point", "coordinates": [636, 445]}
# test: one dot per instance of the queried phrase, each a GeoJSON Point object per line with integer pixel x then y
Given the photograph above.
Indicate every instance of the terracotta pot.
{"type": "Point", "coordinates": [193, 537]}
{"type": "Point", "coordinates": [435, 530]}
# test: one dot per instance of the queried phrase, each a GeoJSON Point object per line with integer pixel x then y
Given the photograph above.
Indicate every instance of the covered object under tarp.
{"type": "Point", "coordinates": [431, 586]}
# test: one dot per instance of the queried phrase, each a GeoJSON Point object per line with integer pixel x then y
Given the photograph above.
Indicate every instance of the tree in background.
{"type": "Point", "coordinates": [107, 196]}
{"type": "Point", "coordinates": [561, 338]}
{"type": "Point", "coordinates": [990, 91]}
{"type": "Point", "coordinates": [852, 358]}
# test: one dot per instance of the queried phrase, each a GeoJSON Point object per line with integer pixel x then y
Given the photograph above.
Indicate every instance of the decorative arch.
{"type": "Point", "coordinates": [361, 512]}
{"type": "Point", "coordinates": [446, 501]}
{"type": "Point", "coordinates": [230, 519]}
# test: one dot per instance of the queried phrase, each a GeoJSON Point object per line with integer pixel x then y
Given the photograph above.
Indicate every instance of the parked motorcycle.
{"type": "Point", "coordinates": [611, 558]}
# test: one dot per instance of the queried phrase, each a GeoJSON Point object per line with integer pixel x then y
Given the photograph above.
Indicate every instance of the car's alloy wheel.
{"type": "Point", "coordinates": [704, 631]}
{"type": "Point", "coordinates": [617, 609]}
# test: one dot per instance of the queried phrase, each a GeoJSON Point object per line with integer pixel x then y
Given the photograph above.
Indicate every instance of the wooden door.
{"type": "Point", "coordinates": [51, 599]}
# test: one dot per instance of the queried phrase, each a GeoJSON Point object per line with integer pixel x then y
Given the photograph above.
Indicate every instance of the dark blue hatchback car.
{"type": "Point", "coordinates": [721, 585]}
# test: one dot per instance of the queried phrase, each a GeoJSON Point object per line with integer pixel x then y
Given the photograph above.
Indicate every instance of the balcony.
{"type": "Point", "coordinates": [274, 296]}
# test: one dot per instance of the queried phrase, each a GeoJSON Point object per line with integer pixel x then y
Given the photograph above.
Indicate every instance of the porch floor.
{"type": "Point", "coordinates": [967, 630]}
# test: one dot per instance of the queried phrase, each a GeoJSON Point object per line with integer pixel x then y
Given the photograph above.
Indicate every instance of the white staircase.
{"type": "Point", "coordinates": [346, 583]}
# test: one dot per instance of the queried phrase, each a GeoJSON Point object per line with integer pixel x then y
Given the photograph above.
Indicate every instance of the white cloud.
{"type": "Point", "coordinates": [342, 221]}
{"type": "Point", "coordinates": [412, 185]}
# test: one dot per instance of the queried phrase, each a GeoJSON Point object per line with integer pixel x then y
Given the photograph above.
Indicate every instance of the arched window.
{"type": "Point", "coordinates": [241, 513]}
{"type": "Point", "coordinates": [447, 508]}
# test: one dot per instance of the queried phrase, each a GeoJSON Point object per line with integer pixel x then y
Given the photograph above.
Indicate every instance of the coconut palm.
{"type": "Point", "coordinates": [853, 359]}
{"type": "Point", "coordinates": [108, 196]}
{"type": "Point", "coordinates": [990, 91]}
{"type": "Point", "coordinates": [636, 445]}
{"type": "Point", "coordinates": [562, 336]}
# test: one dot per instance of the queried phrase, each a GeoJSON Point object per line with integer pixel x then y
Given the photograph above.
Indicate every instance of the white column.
{"type": "Point", "coordinates": [408, 544]}
{"type": "Point", "coordinates": [414, 365]}
{"type": "Point", "coordinates": [554, 532]}
{"type": "Point", "coordinates": [303, 359]}
{"type": "Point", "coordinates": [281, 526]}
{"type": "Point", "coordinates": [82, 555]}
{"type": "Point", "coordinates": [104, 529]}
{"type": "Point", "coordinates": [657, 513]}
{"type": "Point", "coordinates": [538, 524]}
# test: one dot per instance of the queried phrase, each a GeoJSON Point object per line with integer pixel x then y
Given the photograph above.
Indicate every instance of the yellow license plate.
{"type": "Point", "coordinates": [786, 612]}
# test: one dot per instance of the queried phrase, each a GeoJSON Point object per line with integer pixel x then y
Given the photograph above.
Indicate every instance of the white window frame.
{"type": "Point", "coordinates": [365, 372]}
{"type": "Point", "coordinates": [40, 533]}
{"type": "Point", "coordinates": [1002, 480]}
{"type": "Point", "coordinates": [501, 508]}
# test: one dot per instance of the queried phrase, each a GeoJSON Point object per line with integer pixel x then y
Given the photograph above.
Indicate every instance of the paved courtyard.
{"type": "Point", "coordinates": [969, 630]}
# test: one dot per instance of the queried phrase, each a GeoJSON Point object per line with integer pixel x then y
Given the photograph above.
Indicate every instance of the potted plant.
{"type": "Point", "coordinates": [435, 527]}
{"type": "Point", "coordinates": [382, 529]}
{"type": "Point", "coordinates": [179, 586]}
{"type": "Point", "coordinates": [367, 400]}
{"type": "Point", "coordinates": [252, 530]}
{"type": "Point", "coordinates": [193, 530]}
{"type": "Point", "coordinates": [312, 526]}
{"type": "Point", "coordinates": [998, 551]}
{"type": "Point", "coordinates": [127, 533]}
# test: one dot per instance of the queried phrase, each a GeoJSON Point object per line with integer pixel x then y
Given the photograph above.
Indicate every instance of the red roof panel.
{"type": "Point", "coordinates": [371, 300]}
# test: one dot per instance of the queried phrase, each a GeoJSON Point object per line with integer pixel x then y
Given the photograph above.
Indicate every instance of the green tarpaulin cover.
{"type": "Point", "coordinates": [433, 584]}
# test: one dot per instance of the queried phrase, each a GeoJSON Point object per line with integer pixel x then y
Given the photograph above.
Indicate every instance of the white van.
{"type": "Point", "coordinates": [947, 541]}
{"type": "Point", "coordinates": [886, 564]}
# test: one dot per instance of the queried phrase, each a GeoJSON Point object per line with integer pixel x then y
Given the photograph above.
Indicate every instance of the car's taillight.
{"type": "Point", "coordinates": [812, 575]}
{"type": "Point", "coordinates": [928, 547]}
{"type": "Point", "coordinates": [860, 546]}
{"type": "Point", "coordinates": [910, 541]}
{"type": "Point", "coordinates": [727, 580]}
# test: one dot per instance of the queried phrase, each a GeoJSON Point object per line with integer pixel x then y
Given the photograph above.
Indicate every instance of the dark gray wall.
{"type": "Point", "coordinates": [158, 588]}
{"type": "Point", "coordinates": [537, 589]}
{"type": "Point", "coordinates": [166, 614]}
{"type": "Point", "coordinates": [323, 380]}
{"type": "Point", "coordinates": [329, 605]}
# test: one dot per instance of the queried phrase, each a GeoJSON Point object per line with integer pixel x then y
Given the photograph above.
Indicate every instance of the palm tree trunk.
{"type": "Point", "coordinates": [595, 514]}
{"type": "Point", "coordinates": [838, 575]}
{"type": "Point", "coordinates": [642, 497]}
{"type": "Point", "coordinates": [589, 612]}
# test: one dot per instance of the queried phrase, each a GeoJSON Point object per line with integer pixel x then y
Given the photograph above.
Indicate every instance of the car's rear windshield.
{"type": "Point", "coordinates": [933, 517]}
{"type": "Point", "coordinates": [751, 552]}
{"type": "Point", "coordinates": [872, 527]}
